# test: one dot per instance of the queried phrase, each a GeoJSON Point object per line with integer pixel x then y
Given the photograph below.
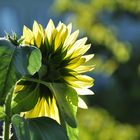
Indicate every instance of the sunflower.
{"type": "Point", "coordinates": [63, 61]}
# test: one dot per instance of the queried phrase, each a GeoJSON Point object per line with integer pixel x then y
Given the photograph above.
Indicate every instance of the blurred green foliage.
{"type": "Point", "coordinates": [109, 26]}
{"type": "Point", "coordinates": [97, 124]}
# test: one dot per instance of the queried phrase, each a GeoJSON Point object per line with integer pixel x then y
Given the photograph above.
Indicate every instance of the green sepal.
{"type": "Point", "coordinates": [42, 128]}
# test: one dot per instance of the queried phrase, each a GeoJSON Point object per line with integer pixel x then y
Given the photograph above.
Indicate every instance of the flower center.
{"type": "Point", "coordinates": [54, 64]}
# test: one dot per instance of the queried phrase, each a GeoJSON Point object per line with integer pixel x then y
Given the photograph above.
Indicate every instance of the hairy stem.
{"type": "Point", "coordinates": [7, 120]}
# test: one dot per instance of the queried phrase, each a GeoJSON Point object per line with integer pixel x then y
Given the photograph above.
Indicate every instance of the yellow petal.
{"type": "Point", "coordinates": [79, 81]}
{"type": "Point", "coordinates": [49, 30]}
{"type": "Point", "coordinates": [71, 39]}
{"type": "Point", "coordinates": [81, 103]}
{"type": "Point", "coordinates": [69, 27]}
{"type": "Point", "coordinates": [54, 111]}
{"type": "Point", "coordinates": [64, 35]}
{"type": "Point", "coordinates": [37, 34]}
{"type": "Point", "coordinates": [87, 66]}
{"type": "Point", "coordinates": [42, 32]}
{"type": "Point", "coordinates": [75, 63]}
{"type": "Point", "coordinates": [27, 36]}
{"type": "Point", "coordinates": [59, 26]}
{"type": "Point", "coordinates": [88, 57]}
{"type": "Point", "coordinates": [74, 49]}
{"type": "Point", "coordinates": [82, 69]}
{"type": "Point", "coordinates": [44, 108]}
{"type": "Point", "coordinates": [41, 29]}
{"type": "Point", "coordinates": [79, 43]}
{"type": "Point", "coordinates": [84, 91]}
{"type": "Point", "coordinates": [57, 40]}
{"type": "Point", "coordinates": [81, 50]}
{"type": "Point", "coordinates": [84, 78]}
{"type": "Point", "coordinates": [81, 84]}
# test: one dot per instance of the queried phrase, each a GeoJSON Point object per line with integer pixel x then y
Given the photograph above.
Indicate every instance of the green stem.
{"type": "Point", "coordinates": [6, 133]}
{"type": "Point", "coordinates": [35, 80]}
{"type": "Point", "coordinates": [7, 120]}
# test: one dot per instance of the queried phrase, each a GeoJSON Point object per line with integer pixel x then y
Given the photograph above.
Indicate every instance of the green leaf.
{"type": "Point", "coordinates": [72, 133]}
{"type": "Point", "coordinates": [67, 100]}
{"type": "Point", "coordinates": [16, 62]}
{"type": "Point", "coordinates": [25, 99]}
{"type": "Point", "coordinates": [42, 128]}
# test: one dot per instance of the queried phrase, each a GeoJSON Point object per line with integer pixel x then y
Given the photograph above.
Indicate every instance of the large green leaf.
{"type": "Point", "coordinates": [67, 100]}
{"type": "Point", "coordinates": [72, 133]}
{"type": "Point", "coordinates": [25, 99]}
{"type": "Point", "coordinates": [16, 62]}
{"type": "Point", "coordinates": [42, 128]}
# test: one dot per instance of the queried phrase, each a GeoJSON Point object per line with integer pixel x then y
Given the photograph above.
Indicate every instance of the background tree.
{"type": "Point", "coordinates": [114, 30]}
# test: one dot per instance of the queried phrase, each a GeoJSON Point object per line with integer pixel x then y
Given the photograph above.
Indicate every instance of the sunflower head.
{"type": "Point", "coordinates": [63, 61]}
{"type": "Point", "coordinates": [63, 55]}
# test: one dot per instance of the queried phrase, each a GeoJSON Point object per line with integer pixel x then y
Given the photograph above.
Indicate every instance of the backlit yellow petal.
{"type": "Point", "coordinates": [75, 64]}
{"type": "Point", "coordinates": [81, 103]}
{"type": "Point", "coordinates": [44, 108]}
{"type": "Point", "coordinates": [74, 50]}
{"type": "Point", "coordinates": [27, 36]}
{"type": "Point", "coordinates": [59, 26]}
{"type": "Point", "coordinates": [79, 81]}
{"type": "Point", "coordinates": [84, 91]}
{"type": "Point", "coordinates": [82, 69]}
{"type": "Point", "coordinates": [49, 30]}
{"type": "Point", "coordinates": [81, 50]}
{"type": "Point", "coordinates": [54, 111]}
{"type": "Point", "coordinates": [79, 43]}
{"type": "Point", "coordinates": [71, 39]}
{"type": "Point", "coordinates": [37, 34]}
{"type": "Point", "coordinates": [58, 39]}
{"type": "Point", "coordinates": [69, 27]}
{"type": "Point", "coordinates": [85, 78]}
{"type": "Point", "coordinates": [88, 57]}
{"type": "Point", "coordinates": [42, 32]}
{"type": "Point", "coordinates": [64, 35]}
